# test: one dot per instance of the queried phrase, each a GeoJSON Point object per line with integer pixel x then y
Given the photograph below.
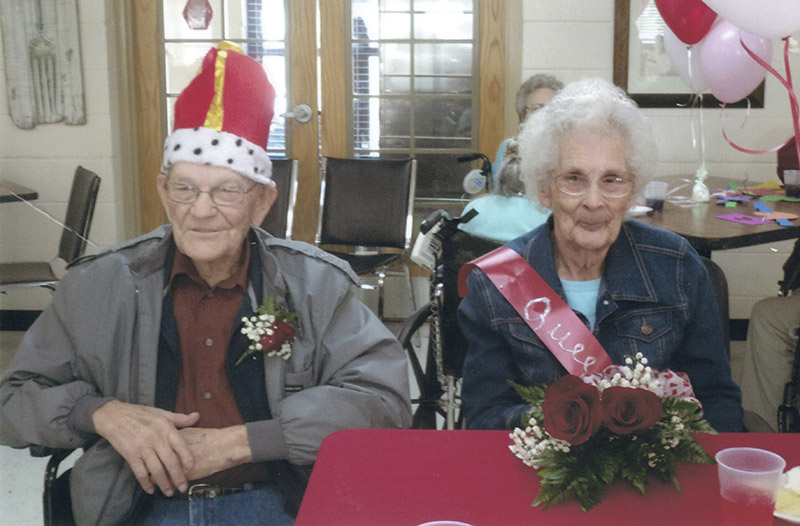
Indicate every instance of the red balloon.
{"type": "Point", "coordinates": [690, 20]}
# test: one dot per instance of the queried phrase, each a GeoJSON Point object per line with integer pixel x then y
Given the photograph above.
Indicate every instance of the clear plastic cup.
{"type": "Point", "coordinates": [791, 181]}
{"type": "Point", "coordinates": [654, 195]}
{"type": "Point", "coordinates": [749, 479]}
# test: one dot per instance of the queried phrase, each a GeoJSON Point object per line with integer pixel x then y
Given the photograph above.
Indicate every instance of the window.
{"type": "Point", "coordinates": [414, 87]}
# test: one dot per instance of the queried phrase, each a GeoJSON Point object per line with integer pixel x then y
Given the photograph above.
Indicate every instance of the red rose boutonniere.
{"type": "Point", "coordinates": [269, 330]}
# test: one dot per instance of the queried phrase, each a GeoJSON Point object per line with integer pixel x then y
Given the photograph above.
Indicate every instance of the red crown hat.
{"type": "Point", "coordinates": [222, 118]}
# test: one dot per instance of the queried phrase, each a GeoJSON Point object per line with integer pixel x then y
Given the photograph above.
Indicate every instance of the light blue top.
{"type": "Point", "coordinates": [498, 162]}
{"type": "Point", "coordinates": [582, 297]}
{"type": "Point", "coordinates": [502, 218]}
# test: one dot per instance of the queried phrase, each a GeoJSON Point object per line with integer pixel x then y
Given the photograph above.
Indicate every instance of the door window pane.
{"type": "Point", "coordinates": [413, 85]}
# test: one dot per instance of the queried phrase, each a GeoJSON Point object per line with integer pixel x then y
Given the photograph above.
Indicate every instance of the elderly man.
{"type": "Point", "coordinates": [149, 360]}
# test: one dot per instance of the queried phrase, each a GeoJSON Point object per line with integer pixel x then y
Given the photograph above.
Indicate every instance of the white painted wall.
{"type": "Point", "coordinates": [45, 158]}
{"type": "Point", "coordinates": [573, 39]}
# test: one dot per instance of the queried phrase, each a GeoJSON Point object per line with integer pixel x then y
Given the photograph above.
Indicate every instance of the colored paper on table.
{"type": "Point", "coordinates": [744, 219]}
{"type": "Point", "coordinates": [779, 197]}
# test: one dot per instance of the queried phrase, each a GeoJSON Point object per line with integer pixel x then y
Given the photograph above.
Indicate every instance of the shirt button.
{"type": "Point", "coordinates": [605, 302]}
{"type": "Point", "coordinates": [207, 395]}
{"type": "Point", "coordinates": [209, 342]}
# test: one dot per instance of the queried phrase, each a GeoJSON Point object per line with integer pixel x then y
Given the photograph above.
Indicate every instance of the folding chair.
{"type": "Point", "coordinates": [366, 214]}
{"type": "Point", "coordinates": [80, 209]}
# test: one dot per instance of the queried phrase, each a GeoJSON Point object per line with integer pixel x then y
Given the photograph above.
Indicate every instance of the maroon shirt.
{"type": "Point", "coordinates": [205, 318]}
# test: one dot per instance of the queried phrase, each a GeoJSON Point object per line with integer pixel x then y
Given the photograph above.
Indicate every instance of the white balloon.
{"type": "Point", "coordinates": [681, 55]}
{"type": "Point", "coordinates": [764, 18]}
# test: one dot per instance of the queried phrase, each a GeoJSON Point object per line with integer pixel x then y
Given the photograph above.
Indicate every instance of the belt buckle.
{"type": "Point", "coordinates": [203, 491]}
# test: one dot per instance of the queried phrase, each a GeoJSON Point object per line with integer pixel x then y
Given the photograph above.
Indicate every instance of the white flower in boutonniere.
{"type": "Point", "coordinates": [269, 330]}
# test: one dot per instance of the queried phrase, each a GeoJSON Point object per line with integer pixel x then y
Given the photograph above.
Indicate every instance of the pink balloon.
{"type": "Point", "coordinates": [729, 72]}
{"type": "Point", "coordinates": [681, 57]}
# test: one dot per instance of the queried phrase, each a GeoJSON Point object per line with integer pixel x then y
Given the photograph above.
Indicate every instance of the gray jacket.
{"type": "Point", "coordinates": [98, 341]}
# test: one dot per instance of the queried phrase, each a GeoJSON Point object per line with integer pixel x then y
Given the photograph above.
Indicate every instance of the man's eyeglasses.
{"type": "Point", "coordinates": [612, 186]}
{"type": "Point", "coordinates": [220, 195]}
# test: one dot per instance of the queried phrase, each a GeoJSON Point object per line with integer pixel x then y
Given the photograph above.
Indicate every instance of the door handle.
{"type": "Point", "coordinates": [301, 113]}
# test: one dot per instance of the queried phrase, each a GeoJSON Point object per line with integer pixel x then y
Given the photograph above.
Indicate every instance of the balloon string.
{"type": "Point", "coordinates": [51, 218]}
{"type": "Point", "coordinates": [787, 83]}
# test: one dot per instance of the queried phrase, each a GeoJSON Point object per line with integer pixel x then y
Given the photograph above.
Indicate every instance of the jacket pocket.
{"type": "Point", "coordinates": [645, 325]}
{"type": "Point", "coordinates": [296, 382]}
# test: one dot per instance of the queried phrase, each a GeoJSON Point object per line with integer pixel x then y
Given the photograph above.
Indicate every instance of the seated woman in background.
{"type": "Point", "coordinates": [637, 288]}
{"type": "Point", "coordinates": [505, 213]}
{"type": "Point", "coordinates": [532, 95]}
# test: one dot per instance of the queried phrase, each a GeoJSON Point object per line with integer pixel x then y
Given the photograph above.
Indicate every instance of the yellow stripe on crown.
{"type": "Point", "coordinates": [215, 113]}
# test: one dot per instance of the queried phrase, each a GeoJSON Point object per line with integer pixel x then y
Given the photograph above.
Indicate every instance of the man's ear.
{"type": "Point", "coordinates": [264, 200]}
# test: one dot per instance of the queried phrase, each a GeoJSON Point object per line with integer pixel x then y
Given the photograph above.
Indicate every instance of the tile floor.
{"type": "Point", "coordinates": [21, 476]}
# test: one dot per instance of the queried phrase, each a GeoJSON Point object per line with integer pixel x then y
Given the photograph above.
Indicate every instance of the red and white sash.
{"type": "Point", "coordinates": [570, 341]}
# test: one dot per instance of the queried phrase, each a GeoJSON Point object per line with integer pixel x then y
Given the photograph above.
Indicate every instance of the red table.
{"type": "Point", "coordinates": [380, 477]}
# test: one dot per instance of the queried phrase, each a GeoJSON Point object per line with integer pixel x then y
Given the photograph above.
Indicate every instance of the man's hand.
{"type": "Point", "coordinates": [215, 450]}
{"type": "Point", "coordinates": [149, 441]}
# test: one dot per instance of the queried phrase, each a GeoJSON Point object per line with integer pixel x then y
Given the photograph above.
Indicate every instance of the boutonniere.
{"type": "Point", "coordinates": [269, 330]}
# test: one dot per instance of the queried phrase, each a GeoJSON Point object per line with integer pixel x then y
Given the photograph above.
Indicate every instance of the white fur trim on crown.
{"type": "Point", "coordinates": [217, 148]}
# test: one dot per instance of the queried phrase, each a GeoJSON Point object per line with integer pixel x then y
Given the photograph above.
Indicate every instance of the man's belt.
{"type": "Point", "coordinates": [212, 491]}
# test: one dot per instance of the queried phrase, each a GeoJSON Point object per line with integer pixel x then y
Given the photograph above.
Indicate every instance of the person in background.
{"type": "Point", "coordinates": [505, 213]}
{"type": "Point", "coordinates": [637, 288]}
{"type": "Point", "coordinates": [771, 341]}
{"type": "Point", "coordinates": [143, 360]}
{"type": "Point", "coordinates": [532, 95]}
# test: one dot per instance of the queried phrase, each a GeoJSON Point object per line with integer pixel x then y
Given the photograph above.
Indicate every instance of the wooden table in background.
{"type": "Point", "coordinates": [11, 192]}
{"type": "Point", "coordinates": [701, 228]}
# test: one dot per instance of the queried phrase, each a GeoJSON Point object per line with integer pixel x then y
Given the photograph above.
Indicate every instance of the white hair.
{"type": "Point", "coordinates": [589, 105]}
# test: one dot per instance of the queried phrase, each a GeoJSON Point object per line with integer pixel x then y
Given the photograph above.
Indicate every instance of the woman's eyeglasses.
{"type": "Point", "coordinates": [612, 186]}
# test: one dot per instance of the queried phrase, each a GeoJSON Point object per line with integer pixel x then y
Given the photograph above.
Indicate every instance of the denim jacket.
{"type": "Point", "coordinates": [655, 297]}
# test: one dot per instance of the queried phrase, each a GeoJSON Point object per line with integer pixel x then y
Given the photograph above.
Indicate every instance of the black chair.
{"type": "Point", "coordinates": [56, 500]}
{"type": "Point", "coordinates": [80, 209]}
{"type": "Point", "coordinates": [720, 286]}
{"type": "Point", "coordinates": [281, 216]}
{"type": "Point", "coordinates": [366, 214]}
{"type": "Point", "coordinates": [789, 410]}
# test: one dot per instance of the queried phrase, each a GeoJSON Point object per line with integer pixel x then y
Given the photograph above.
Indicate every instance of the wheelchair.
{"type": "Point", "coordinates": [443, 249]}
{"type": "Point", "coordinates": [789, 410]}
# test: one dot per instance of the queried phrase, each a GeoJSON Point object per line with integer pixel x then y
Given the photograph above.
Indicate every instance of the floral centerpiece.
{"type": "Point", "coordinates": [630, 421]}
{"type": "Point", "coordinates": [269, 330]}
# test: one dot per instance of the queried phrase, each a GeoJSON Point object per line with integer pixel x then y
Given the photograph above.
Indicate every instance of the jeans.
{"type": "Point", "coordinates": [264, 505]}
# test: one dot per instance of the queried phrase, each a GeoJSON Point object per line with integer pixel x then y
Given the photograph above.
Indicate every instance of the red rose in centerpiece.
{"type": "Point", "coordinates": [571, 410]}
{"type": "Point", "coordinates": [627, 409]}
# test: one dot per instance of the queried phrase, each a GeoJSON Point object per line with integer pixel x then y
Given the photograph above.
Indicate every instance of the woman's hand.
{"type": "Point", "coordinates": [149, 441]}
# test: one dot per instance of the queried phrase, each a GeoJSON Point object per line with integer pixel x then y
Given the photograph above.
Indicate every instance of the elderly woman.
{"type": "Point", "coordinates": [532, 95]}
{"type": "Point", "coordinates": [638, 289]}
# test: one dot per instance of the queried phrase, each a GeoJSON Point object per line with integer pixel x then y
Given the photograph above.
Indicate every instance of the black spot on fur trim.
{"type": "Point", "coordinates": [198, 151]}
{"type": "Point", "coordinates": [238, 142]}
{"type": "Point", "coordinates": [176, 148]}
{"type": "Point", "coordinates": [250, 152]}
{"type": "Point", "coordinates": [230, 161]}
